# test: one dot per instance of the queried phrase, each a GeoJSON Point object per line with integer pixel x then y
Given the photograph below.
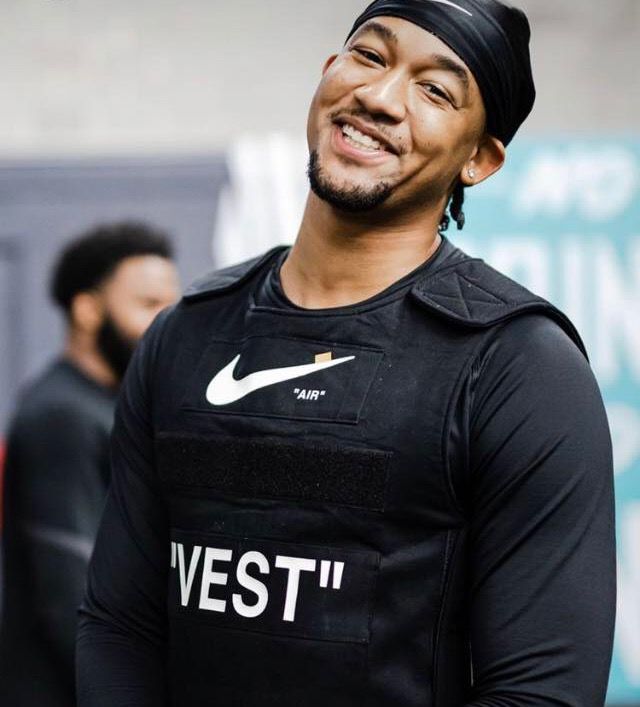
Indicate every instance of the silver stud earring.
{"type": "Point", "coordinates": [471, 173]}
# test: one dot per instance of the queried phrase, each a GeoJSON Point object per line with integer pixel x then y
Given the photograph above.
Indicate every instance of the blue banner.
{"type": "Point", "coordinates": [563, 218]}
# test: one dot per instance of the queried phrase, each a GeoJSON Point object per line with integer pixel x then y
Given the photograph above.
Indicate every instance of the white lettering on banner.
{"type": "Point", "coordinates": [526, 260]}
{"type": "Point", "coordinates": [574, 293]}
{"type": "Point", "coordinates": [546, 186]}
{"type": "Point", "coordinates": [252, 584]}
{"type": "Point", "coordinates": [600, 183]}
{"type": "Point", "coordinates": [625, 432]}
{"type": "Point", "coordinates": [210, 577]}
{"type": "Point", "coordinates": [617, 313]}
{"type": "Point", "coordinates": [628, 611]}
{"type": "Point", "coordinates": [186, 582]}
{"type": "Point", "coordinates": [295, 565]}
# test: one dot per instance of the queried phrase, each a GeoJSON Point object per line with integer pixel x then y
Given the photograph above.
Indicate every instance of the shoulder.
{"type": "Point", "coordinates": [227, 279]}
{"type": "Point", "coordinates": [189, 318]}
{"type": "Point", "coordinates": [531, 373]}
{"type": "Point", "coordinates": [57, 429]}
{"type": "Point", "coordinates": [53, 395]}
{"type": "Point", "coordinates": [539, 345]}
{"type": "Point", "coordinates": [472, 294]}
{"type": "Point", "coordinates": [37, 417]}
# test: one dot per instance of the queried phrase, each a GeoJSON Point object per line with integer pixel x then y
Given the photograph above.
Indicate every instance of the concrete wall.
{"type": "Point", "coordinates": [116, 76]}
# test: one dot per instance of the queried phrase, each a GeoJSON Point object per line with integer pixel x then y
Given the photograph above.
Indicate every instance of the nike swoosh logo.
{"type": "Point", "coordinates": [452, 4]}
{"type": "Point", "coordinates": [224, 389]}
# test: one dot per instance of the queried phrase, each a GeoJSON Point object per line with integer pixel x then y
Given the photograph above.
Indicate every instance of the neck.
{"type": "Point", "coordinates": [340, 259]}
{"type": "Point", "coordinates": [81, 350]}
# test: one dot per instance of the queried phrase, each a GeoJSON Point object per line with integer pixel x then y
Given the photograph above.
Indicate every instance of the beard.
{"type": "Point", "coordinates": [115, 346]}
{"type": "Point", "coordinates": [352, 199]}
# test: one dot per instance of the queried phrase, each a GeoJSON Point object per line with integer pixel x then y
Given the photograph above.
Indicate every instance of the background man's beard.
{"type": "Point", "coordinates": [116, 348]}
{"type": "Point", "coordinates": [353, 199]}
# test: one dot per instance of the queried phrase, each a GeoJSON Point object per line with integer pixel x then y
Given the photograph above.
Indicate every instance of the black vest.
{"type": "Point", "coordinates": [317, 537]}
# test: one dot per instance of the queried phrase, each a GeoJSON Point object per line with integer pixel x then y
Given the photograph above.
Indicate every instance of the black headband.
{"type": "Point", "coordinates": [493, 41]}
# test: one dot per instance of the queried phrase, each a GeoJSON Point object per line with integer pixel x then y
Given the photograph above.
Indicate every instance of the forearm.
{"type": "Point", "coordinates": [116, 668]}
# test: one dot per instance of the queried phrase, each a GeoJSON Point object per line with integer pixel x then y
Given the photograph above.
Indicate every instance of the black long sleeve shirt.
{"type": "Point", "coordinates": [56, 479]}
{"type": "Point", "coordinates": [494, 586]}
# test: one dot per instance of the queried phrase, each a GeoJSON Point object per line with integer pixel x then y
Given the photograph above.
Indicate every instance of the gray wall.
{"type": "Point", "coordinates": [43, 204]}
{"type": "Point", "coordinates": [123, 76]}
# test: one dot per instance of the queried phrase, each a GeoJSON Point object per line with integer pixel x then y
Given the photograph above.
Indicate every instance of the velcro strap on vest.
{"type": "Point", "coordinates": [274, 469]}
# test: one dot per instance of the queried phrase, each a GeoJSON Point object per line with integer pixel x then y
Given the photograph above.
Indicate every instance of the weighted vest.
{"type": "Point", "coordinates": [317, 537]}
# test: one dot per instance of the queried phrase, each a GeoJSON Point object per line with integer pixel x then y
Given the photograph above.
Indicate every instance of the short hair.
{"type": "Point", "coordinates": [91, 258]}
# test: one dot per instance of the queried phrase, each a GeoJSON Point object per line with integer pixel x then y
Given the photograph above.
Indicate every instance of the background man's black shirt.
{"type": "Point", "coordinates": [444, 492]}
{"type": "Point", "coordinates": [56, 480]}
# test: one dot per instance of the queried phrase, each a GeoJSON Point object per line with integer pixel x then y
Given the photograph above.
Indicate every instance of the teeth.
{"type": "Point", "coordinates": [360, 140]}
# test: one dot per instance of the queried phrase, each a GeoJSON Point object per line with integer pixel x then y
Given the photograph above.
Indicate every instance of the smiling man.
{"type": "Point", "coordinates": [366, 470]}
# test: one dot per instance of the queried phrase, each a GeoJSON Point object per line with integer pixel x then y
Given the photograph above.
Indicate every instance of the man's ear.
{"type": "Point", "coordinates": [87, 312]}
{"type": "Point", "coordinates": [328, 63]}
{"type": "Point", "coordinates": [487, 159]}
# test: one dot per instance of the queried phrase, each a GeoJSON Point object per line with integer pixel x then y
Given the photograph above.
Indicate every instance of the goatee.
{"type": "Point", "coordinates": [353, 199]}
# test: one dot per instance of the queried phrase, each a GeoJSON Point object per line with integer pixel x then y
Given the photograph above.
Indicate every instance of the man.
{"type": "Point", "coordinates": [110, 284]}
{"type": "Point", "coordinates": [367, 470]}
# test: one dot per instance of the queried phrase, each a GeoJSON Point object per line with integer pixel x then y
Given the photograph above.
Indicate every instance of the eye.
{"type": "Point", "coordinates": [369, 55]}
{"type": "Point", "coordinates": [436, 91]}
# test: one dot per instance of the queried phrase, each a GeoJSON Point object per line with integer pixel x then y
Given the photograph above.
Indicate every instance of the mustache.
{"type": "Point", "coordinates": [368, 118]}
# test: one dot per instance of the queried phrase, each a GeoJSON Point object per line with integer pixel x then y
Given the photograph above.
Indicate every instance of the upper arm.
{"type": "Point", "coordinates": [128, 568]}
{"type": "Point", "coordinates": [542, 582]}
{"type": "Point", "coordinates": [57, 470]}
{"type": "Point", "coordinates": [122, 633]}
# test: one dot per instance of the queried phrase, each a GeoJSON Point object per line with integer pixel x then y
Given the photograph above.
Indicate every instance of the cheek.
{"type": "Point", "coordinates": [438, 134]}
{"type": "Point", "coordinates": [440, 149]}
{"type": "Point", "coordinates": [325, 101]}
{"type": "Point", "coordinates": [133, 320]}
{"type": "Point", "coordinates": [432, 125]}
{"type": "Point", "coordinates": [338, 82]}
{"type": "Point", "coordinates": [143, 317]}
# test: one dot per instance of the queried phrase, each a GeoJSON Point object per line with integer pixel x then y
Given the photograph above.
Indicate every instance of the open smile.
{"type": "Point", "coordinates": [356, 144]}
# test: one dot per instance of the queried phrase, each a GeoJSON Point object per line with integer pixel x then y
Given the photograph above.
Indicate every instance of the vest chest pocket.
{"type": "Point", "coordinates": [281, 377]}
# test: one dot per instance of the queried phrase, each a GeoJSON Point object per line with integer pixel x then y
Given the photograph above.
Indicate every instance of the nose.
{"type": "Point", "coordinates": [384, 98]}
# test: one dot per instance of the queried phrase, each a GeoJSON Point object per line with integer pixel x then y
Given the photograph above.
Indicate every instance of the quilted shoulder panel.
{"type": "Point", "coordinates": [227, 279]}
{"type": "Point", "coordinates": [473, 294]}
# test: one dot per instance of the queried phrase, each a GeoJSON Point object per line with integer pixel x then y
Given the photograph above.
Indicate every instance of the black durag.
{"type": "Point", "coordinates": [493, 41]}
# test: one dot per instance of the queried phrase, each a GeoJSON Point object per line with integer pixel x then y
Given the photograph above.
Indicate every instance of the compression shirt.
{"type": "Point", "coordinates": [370, 505]}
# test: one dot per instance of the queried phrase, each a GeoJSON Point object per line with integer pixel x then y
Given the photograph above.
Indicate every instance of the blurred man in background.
{"type": "Point", "coordinates": [110, 283]}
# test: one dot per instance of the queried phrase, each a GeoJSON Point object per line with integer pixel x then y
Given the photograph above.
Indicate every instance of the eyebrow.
{"type": "Point", "coordinates": [449, 64]}
{"type": "Point", "coordinates": [381, 30]}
